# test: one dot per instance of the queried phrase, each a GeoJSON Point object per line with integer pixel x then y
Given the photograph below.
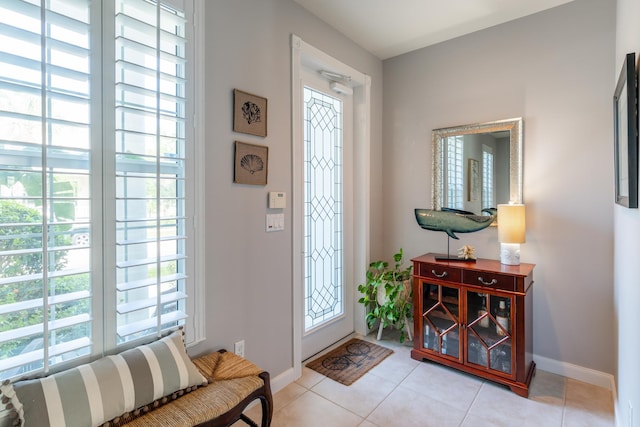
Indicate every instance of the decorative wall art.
{"type": "Point", "coordinates": [474, 181]}
{"type": "Point", "coordinates": [625, 124]}
{"type": "Point", "coordinates": [251, 164]}
{"type": "Point", "coordinates": [249, 113]}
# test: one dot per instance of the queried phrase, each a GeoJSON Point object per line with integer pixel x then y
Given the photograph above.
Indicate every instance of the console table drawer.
{"type": "Point", "coordinates": [440, 272]}
{"type": "Point", "coordinates": [490, 280]}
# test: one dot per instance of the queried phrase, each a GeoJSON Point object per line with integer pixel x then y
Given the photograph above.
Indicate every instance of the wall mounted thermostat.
{"type": "Point", "coordinates": [277, 200]}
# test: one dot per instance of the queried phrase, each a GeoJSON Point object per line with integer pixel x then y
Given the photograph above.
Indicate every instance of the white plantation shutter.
{"type": "Point", "coordinates": [455, 184]}
{"type": "Point", "coordinates": [487, 178]}
{"type": "Point", "coordinates": [150, 159]}
{"type": "Point", "coordinates": [83, 157]}
{"type": "Point", "coordinates": [45, 283]}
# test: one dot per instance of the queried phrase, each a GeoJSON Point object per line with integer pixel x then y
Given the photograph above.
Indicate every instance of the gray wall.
{"type": "Point", "coordinates": [627, 250]}
{"type": "Point", "coordinates": [248, 271]}
{"type": "Point", "coordinates": [555, 70]}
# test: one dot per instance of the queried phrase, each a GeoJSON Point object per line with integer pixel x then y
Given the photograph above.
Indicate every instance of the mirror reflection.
{"type": "Point", "coordinates": [477, 166]}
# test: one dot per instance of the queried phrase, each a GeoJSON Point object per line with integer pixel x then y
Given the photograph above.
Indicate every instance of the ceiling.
{"type": "Point", "coordinates": [388, 28]}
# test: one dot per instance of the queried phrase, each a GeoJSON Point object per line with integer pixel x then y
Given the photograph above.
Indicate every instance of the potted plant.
{"type": "Point", "coordinates": [387, 295]}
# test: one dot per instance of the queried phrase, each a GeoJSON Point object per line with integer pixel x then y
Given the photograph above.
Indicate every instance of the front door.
{"type": "Point", "coordinates": [327, 148]}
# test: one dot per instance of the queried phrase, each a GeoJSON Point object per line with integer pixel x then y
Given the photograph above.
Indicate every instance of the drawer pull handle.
{"type": "Point", "coordinates": [439, 276]}
{"type": "Point", "coordinates": [492, 282]}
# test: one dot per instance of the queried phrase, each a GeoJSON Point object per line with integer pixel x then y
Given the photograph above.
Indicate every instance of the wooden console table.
{"type": "Point", "coordinates": [475, 317]}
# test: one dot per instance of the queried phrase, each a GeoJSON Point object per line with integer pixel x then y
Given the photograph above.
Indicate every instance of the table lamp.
{"type": "Point", "coordinates": [511, 232]}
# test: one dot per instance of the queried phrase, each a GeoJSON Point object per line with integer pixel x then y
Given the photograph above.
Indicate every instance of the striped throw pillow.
{"type": "Point", "coordinates": [92, 394]}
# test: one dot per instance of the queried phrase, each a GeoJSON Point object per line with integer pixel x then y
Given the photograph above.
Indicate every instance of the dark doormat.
{"type": "Point", "coordinates": [350, 361]}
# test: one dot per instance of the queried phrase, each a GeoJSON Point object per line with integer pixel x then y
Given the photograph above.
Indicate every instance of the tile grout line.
{"type": "Point", "coordinates": [395, 387]}
{"type": "Point", "coordinates": [475, 398]}
{"type": "Point", "coordinates": [337, 404]}
{"type": "Point", "coordinates": [565, 418]}
{"type": "Point", "coordinates": [365, 418]}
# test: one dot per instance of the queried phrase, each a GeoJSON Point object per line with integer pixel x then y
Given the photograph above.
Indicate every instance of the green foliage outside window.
{"type": "Point", "coordinates": [26, 237]}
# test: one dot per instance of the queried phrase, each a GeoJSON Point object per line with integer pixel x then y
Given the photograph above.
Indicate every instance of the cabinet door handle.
{"type": "Point", "coordinates": [439, 276]}
{"type": "Point", "coordinates": [492, 282]}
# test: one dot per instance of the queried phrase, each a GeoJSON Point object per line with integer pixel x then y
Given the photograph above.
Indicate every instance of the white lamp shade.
{"type": "Point", "coordinates": [511, 223]}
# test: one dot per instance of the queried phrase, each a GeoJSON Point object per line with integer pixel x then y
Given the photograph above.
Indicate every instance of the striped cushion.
{"type": "Point", "coordinates": [89, 395]}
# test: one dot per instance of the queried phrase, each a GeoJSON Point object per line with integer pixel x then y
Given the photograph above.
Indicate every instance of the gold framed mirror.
{"type": "Point", "coordinates": [477, 165]}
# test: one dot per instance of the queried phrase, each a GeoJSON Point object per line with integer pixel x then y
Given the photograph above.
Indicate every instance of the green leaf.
{"type": "Point", "coordinates": [394, 311]}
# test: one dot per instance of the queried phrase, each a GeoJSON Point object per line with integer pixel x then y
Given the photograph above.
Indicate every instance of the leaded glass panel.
{"type": "Point", "coordinates": [323, 208]}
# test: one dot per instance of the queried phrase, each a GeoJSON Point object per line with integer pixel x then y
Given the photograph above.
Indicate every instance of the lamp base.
{"type": "Point", "coordinates": [510, 253]}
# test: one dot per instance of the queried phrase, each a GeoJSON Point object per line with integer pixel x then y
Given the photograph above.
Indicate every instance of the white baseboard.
{"type": "Point", "coordinates": [617, 412]}
{"type": "Point", "coordinates": [282, 380]}
{"type": "Point", "coordinates": [277, 384]}
{"type": "Point", "coordinates": [580, 373]}
{"type": "Point", "coordinates": [569, 370]}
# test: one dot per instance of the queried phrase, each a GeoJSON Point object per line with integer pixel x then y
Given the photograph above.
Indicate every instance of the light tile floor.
{"type": "Point", "coordinates": [403, 392]}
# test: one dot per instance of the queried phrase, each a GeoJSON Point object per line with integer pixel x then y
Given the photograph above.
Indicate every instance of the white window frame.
{"type": "Point", "coordinates": [454, 172]}
{"type": "Point", "coordinates": [195, 322]}
{"type": "Point", "coordinates": [103, 172]}
{"type": "Point", "coordinates": [488, 177]}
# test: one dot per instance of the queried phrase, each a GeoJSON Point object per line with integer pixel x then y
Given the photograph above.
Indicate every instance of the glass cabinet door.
{"type": "Point", "coordinates": [489, 334]}
{"type": "Point", "coordinates": [441, 319]}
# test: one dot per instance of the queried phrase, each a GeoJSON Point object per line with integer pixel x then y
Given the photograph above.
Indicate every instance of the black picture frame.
{"type": "Point", "coordinates": [625, 127]}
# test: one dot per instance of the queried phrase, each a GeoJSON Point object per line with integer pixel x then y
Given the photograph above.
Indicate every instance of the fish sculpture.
{"type": "Point", "coordinates": [453, 221]}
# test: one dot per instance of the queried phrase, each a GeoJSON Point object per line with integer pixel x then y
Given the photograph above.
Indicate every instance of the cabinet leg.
{"type": "Point", "coordinates": [523, 392]}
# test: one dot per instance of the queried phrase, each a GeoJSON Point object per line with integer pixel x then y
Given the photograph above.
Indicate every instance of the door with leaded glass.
{"type": "Point", "coordinates": [327, 196]}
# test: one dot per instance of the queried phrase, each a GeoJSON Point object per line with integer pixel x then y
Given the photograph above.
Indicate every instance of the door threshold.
{"type": "Point", "coordinates": [331, 347]}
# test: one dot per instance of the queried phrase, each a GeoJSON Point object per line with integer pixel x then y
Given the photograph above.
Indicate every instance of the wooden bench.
{"type": "Point", "coordinates": [234, 383]}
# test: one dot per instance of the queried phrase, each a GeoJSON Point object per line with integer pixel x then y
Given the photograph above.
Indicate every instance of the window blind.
{"type": "Point", "coordinates": [62, 156]}
{"type": "Point", "coordinates": [455, 173]}
{"type": "Point", "coordinates": [45, 287]}
{"type": "Point", "coordinates": [150, 142]}
{"type": "Point", "coordinates": [487, 178]}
